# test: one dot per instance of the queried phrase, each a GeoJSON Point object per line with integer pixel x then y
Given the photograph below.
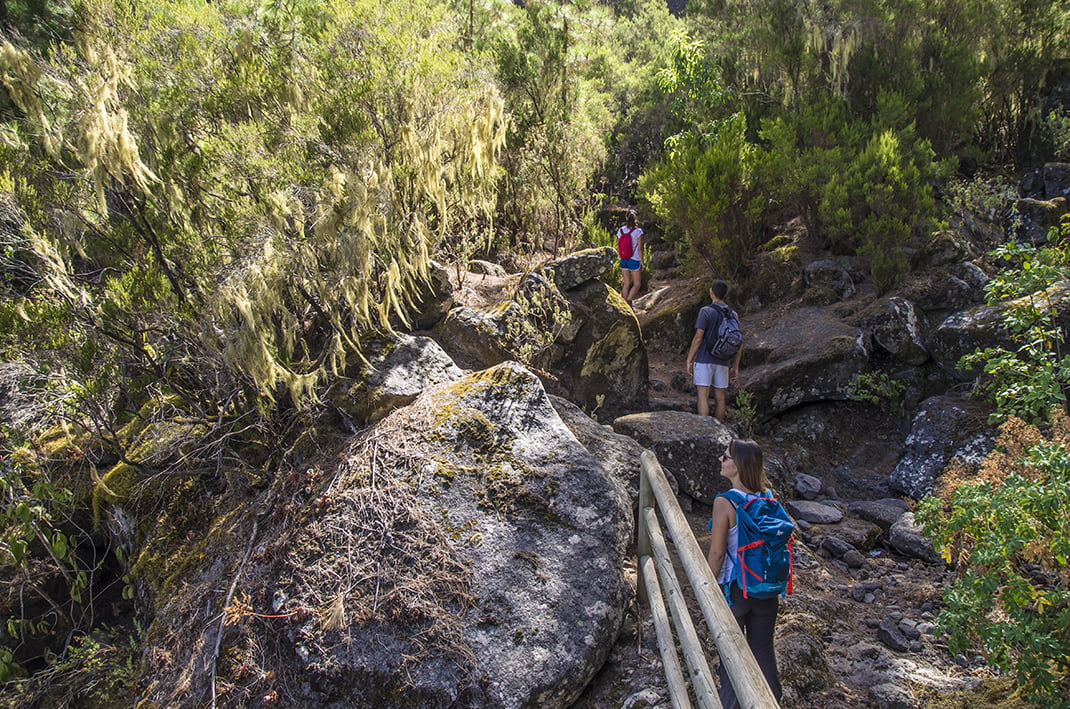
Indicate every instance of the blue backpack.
{"type": "Point", "coordinates": [763, 563]}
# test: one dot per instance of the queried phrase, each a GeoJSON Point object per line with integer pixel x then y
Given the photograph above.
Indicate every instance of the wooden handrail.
{"type": "Point", "coordinates": [751, 689]}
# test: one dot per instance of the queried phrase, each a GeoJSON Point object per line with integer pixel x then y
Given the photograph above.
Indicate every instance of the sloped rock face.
{"type": "Point", "coordinates": [669, 316]}
{"type": "Point", "coordinates": [618, 454]}
{"type": "Point", "coordinates": [687, 445]}
{"type": "Point", "coordinates": [896, 329]}
{"type": "Point", "coordinates": [947, 427]}
{"type": "Point", "coordinates": [434, 299]}
{"type": "Point", "coordinates": [468, 551]}
{"type": "Point", "coordinates": [982, 326]}
{"type": "Point", "coordinates": [803, 355]}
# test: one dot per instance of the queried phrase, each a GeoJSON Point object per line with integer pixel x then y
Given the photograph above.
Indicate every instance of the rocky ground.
{"type": "Point", "coordinates": [860, 629]}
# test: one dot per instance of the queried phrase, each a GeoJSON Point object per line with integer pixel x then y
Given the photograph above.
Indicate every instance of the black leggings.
{"type": "Point", "coordinates": [757, 620]}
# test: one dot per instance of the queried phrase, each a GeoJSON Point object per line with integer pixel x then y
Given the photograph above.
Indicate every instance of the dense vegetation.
{"type": "Point", "coordinates": [207, 206]}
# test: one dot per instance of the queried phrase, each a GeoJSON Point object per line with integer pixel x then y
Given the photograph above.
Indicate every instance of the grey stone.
{"type": "Point", "coordinates": [890, 696]}
{"type": "Point", "coordinates": [1031, 219]}
{"type": "Point", "coordinates": [397, 370]}
{"type": "Point", "coordinates": [433, 299]}
{"type": "Point", "coordinates": [909, 629]}
{"type": "Point", "coordinates": [829, 276]}
{"type": "Point", "coordinates": [836, 547]}
{"type": "Point", "coordinates": [898, 332]}
{"type": "Point", "coordinates": [884, 512]}
{"type": "Point", "coordinates": [799, 356]}
{"type": "Point", "coordinates": [687, 445]}
{"type": "Point", "coordinates": [909, 539]}
{"type": "Point", "coordinates": [807, 486]}
{"type": "Point", "coordinates": [888, 633]}
{"type": "Point", "coordinates": [854, 559]}
{"type": "Point", "coordinates": [479, 479]}
{"type": "Point", "coordinates": [1057, 180]}
{"type": "Point", "coordinates": [814, 512]}
{"type": "Point", "coordinates": [487, 268]}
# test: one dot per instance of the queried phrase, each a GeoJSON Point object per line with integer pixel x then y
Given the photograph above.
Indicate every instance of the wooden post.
{"type": "Point", "coordinates": [642, 543]}
{"type": "Point", "coordinates": [701, 677]}
{"type": "Point", "coordinates": [751, 688]}
{"type": "Point", "coordinates": [674, 676]}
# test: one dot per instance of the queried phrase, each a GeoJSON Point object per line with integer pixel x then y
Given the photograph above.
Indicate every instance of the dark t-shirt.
{"type": "Point", "coordinates": [709, 320]}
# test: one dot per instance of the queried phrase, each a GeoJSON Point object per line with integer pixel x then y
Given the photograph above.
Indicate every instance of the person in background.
{"type": "Point", "coordinates": [743, 465]}
{"type": "Point", "coordinates": [630, 250]}
{"type": "Point", "coordinates": [706, 370]}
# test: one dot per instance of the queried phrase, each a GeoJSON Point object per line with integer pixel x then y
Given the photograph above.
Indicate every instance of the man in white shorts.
{"type": "Point", "coordinates": [708, 371]}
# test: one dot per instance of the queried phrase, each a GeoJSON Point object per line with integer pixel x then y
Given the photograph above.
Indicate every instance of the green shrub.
{"type": "Point", "coordinates": [1007, 530]}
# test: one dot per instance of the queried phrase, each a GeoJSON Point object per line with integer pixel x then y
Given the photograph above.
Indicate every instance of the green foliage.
{"type": "Point", "coordinates": [879, 389]}
{"type": "Point", "coordinates": [1009, 533]}
{"type": "Point", "coordinates": [863, 188]}
{"type": "Point", "coordinates": [745, 413]}
{"type": "Point", "coordinates": [705, 188]}
{"type": "Point", "coordinates": [1057, 127]}
{"type": "Point", "coordinates": [559, 113]}
{"type": "Point", "coordinates": [98, 670]}
{"type": "Point", "coordinates": [1030, 378]}
{"type": "Point", "coordinates": [33, 513]}
{"type": "Point", "coordinates": [538, 315]}
{"type": "Point", "coordinates": [248, 189]}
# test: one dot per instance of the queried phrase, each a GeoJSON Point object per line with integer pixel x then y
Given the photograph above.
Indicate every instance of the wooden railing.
{"type": "Point", "coordinates": [657, 572]}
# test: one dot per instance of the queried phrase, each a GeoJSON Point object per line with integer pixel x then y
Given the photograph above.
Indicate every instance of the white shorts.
{"type": "Point", "coordinates": [711, 374]}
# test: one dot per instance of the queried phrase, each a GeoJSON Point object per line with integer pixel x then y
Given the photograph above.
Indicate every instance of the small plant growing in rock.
{"type": "Point", "coordinates": [879, 389]}
{"type": "Point", "coordinates": [745, 413]}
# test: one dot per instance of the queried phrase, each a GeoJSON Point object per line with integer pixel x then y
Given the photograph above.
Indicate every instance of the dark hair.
{"type": "Point", "coordinates": [720, 289]}
{"type": "Point", "coordinates": [750, 463]}
{"type": "Point", "coordinates": [629, 218]}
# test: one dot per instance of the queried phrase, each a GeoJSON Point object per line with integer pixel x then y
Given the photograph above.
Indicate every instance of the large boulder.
{"type": "Point", "coordinates": [668, 315]}
{"type": "Point", "coordinates": [908, 538]}
{"type": "Point", "coordinates": [1057, 180]}
{"type": "Point", "coordinates": [605, 366]}
{"type": "Point", "coordinates": [981, 327]}
{"type": "Point", "coordinates": [1031, 219]}
{"type": "Point", "coordinates": [618, 454]}
{"type": "Point", "coordinates": [827, 281]}
{"type": "Point", "coordinates": [688, 446]}
{"type": "Point", "coordinates": [585, 340]}
{"type": "Point", "coordinates": [894, 327]}
{"type": "Point", "coordinates": [393, 373]}
{"type": "Point", "coordinates": [946, 428]}
{"type": "Point", "coordinates": [578, 268]}
{"type": "Point", "coordinates": [474, 339]}
{"type": "Point", "coordinates": [799, 356]}
{"type": "Point", "coordinates": [946, 289]}
{"type": "Point", "coordinates": [466, 551]}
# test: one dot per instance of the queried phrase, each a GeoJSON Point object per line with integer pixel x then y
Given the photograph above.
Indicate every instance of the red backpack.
{"type": "Point", "coordinates": [624, 243]}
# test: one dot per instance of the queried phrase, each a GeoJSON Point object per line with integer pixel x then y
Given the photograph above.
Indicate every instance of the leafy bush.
{"type": "Point", "coordinates": [1030, 379]}
{"type": "Point", "coordinates": [879, 389]}
{"type": "Point", "coordinates": [1008, 531]}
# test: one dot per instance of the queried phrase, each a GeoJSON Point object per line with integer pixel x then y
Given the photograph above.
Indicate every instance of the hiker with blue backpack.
{"type": "Point", "coordinates": [716, 348]}
{"type": "Point", "coordinates": [630, 250]}
{"type": "Point", "coordinates": [750, 555]}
